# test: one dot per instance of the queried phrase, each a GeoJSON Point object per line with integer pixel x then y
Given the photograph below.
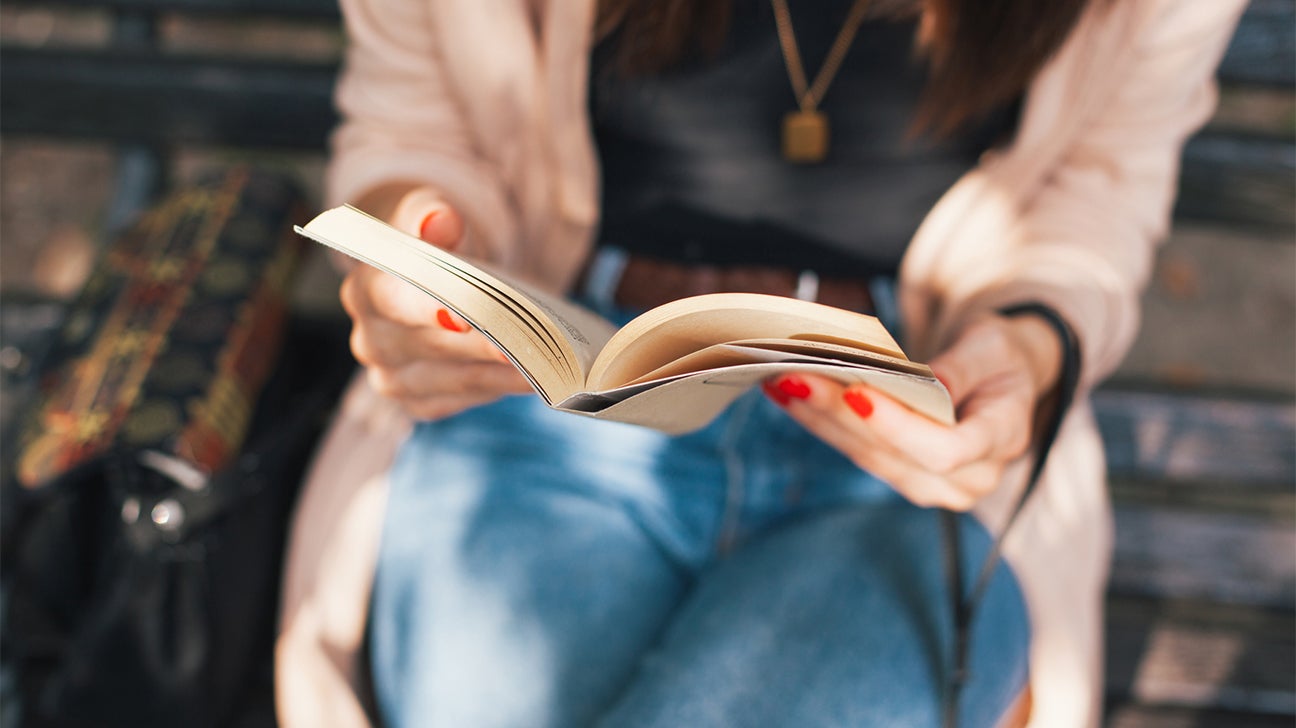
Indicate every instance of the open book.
{"type": "Point", "coordinates": [673, 368]}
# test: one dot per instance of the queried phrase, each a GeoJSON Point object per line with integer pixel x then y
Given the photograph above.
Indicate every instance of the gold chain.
{"type": "Point", "coordinates": [809, 97]}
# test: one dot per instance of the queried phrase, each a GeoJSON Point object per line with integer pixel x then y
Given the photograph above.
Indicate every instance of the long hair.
{"type": "Point", "coordinates": [979, 53]}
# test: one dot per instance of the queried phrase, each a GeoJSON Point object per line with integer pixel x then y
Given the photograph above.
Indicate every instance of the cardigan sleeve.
{"type": "Point", "coordinates": [1083, 242]}
{"type": "Point", "coordinates": [403, 122]}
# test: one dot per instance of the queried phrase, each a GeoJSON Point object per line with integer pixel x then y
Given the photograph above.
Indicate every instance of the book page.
{"type": "Point", "coordinates": [750, 351]}
{"type": "Point", "coordinates": [690, 401]}
{"type": "Point", "coordinates": [552, 346]}
{"type": "Point", "coordinates": [586, 332]}
{"type": "Point", "coordinates": [677, 329]}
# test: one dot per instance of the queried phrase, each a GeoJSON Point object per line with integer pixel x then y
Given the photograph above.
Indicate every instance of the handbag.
{"type": "Point", "coordinates": [155, 472]}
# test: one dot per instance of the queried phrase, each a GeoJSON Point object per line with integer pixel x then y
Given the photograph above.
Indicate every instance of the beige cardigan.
{"type": "Point", "coordinates": [487, 102]}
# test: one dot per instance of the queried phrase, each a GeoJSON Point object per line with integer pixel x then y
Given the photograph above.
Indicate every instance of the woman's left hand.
{"type": "Point", "coordinates": [996, 373]}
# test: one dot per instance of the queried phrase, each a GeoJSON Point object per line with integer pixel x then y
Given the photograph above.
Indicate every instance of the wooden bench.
{"type": "Point", "coordinates": [1201, 621]}
{"type": "Point", "coordinates": [150, 100]}
{"type": "Point", "coordinates": [1201, 628]}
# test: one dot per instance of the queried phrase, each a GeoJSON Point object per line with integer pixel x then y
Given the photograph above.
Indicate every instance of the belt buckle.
{"type": "Point", "coordinates": [807, 286]}
{"type": "Point", "coordinates": [603, 276]}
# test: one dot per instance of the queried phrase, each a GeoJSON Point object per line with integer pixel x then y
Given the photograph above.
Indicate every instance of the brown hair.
{"type": "Point", "coordinates": [980, 53]}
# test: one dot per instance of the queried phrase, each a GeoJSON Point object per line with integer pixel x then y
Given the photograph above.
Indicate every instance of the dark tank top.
{"type": "Point", "coordinates": [692, 168]}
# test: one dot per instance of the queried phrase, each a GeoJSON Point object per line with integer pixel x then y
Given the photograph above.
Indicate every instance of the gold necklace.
{"type": "Point", "coordinates": [805, 131]}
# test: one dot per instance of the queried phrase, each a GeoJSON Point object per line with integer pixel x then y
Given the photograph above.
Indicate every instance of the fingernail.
{"type": "Point", "coordinates": [774, 393]}
{"type": "Point", "coordinates": [859, 402]}
{"type": "Point", "coordinates": [425, 227]}
{"type": "Point", "coordinates": [793, 386]}
{"type": "Point", "coordinates": [448, 322]}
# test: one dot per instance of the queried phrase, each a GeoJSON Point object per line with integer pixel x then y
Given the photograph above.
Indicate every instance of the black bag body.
{"type": "Point", "coordinates": [142, 578]}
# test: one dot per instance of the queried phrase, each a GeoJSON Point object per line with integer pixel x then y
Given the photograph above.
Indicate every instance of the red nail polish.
{"type": "Point", "coordinates": [425, 227]}
{"type": "Point", "coordinates": [447, 321]}
{"type": "Point", "coordinates": [794, 387]}
{"type": "Point", "coordinates": [773, 392]}
{"type": "Point", "coordinates": [859, 402]}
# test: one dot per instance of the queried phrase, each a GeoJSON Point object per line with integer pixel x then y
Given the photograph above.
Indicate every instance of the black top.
{"type": "Point", "coordinates": [692, 165]}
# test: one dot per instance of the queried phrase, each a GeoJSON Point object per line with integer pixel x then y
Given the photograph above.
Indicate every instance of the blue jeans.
{"type": "Point", "coordinates": [542, 569]}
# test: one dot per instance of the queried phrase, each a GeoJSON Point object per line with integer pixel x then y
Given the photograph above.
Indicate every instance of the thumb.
{"type": "Point", "coordinates": [442, 226]}
{"type": "Point", "coordinates": [962, 366]}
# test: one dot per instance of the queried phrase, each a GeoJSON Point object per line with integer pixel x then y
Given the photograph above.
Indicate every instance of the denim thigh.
{"type": "Point", "coordinates": [528, 559]}
{"type": "Point", "coordinates": [542, 569]}
{"type": "Point", "coordinates": [838, 618]}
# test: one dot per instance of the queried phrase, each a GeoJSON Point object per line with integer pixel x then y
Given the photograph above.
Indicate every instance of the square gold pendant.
{"type": "Point", "coordinates": [805, 136]}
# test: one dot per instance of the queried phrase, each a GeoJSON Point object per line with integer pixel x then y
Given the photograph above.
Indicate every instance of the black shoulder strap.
{"type": "Point", "coordinates": [963, 607]}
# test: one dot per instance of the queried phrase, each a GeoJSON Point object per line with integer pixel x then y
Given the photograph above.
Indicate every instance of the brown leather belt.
{"type": "Point", "coordinates": [648, 282]}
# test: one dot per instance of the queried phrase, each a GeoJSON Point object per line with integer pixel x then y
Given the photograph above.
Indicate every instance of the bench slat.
{"type": "Point", "coordinates": [1142, 716]}
{"type": "Point", "coordinates": [1201, 656]}
{"type": "Point", "coordinates": [1186, 436]}
{"type": "Point", "coordinates": [1228, 557]}
{"type": "Point", "coordinates": [147, 96]}
{"type": "Point", "coordinates": [1261, 53]}
{"type": "Point", "coordinates": [152, 97]}
{"type": "Point", "coordinates": [1263, 50]}
{"type": "Point", "coordinates": [1238, 179]}
{"type": "Point", "coordinates": [304, 9]}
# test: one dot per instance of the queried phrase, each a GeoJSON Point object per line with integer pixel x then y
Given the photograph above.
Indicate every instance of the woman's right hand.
{"type": "Point", "coordinates": [414, 350]}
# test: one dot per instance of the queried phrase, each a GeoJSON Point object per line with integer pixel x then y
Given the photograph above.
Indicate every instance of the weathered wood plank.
{"type": "Point", "coordinates": [1273, 504]}
{"type": "Point", "coordinates": [1142, 716]}
{"type": "Point", "coordinates": [1255, 110]}
{"type": "Point", "coordinates": [1181, 435]}
{"type": "Point", "coordinates": [1164, 551]}
{"type": "Point", "coordinates": [1238, 179]}
{"type": "Point", "coordinates": [1219, 312]}
{"type": "Point", "coordinates": [283, 8]}
{"type": "Point", "coordinates": [156, 97]}
{"type": "Point", "coordinates": [1201, 656]}
{"type": "Point", "coordinates": [1263, 50]}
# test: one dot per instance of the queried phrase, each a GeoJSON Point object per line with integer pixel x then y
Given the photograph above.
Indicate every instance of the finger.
{"type": "Point", "coordinates": [918, 485]}
{"type": "Point", "coordinates": [817, 403]}
{"type": "Point", "coordinates": [1002, 418]}
{"type": "Point", "coordinates": [451, 321]}
{"type": "Point", "coordinates": [874, 419]}
{"type": "Point", "coordinates": [981, 351]}
{"type": "Point", "coordinates": [852, 439]}
{"type": "Point", "coordinates": [423, 212]}
{"type": "Point", "coordinates": [440, 407]}
{"type": "Point", "coordinates": [425, 379]}
{"type": "Point", "coordinates": [933, 446]}
{"type": "Point", "coordinates": [378, 342]}
{"type": "Point", "coordinates": [373, 293]}
{"type": "Point", "coordinates": [442, 226]}
{"type": "Point", "coordinates": [928, 490]}
{"type": "Point", "coordinates": [922, 480]}
{"type": "Point", "coordinates": [978, 480]}
{"type": "Point", "coordinates": [816, 411]}
{"type": "Point", "coordinates": [368, 292]}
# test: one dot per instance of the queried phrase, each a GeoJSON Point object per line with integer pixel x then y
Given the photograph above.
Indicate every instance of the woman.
{"type": "Point", "coordinates": [782, 566]}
